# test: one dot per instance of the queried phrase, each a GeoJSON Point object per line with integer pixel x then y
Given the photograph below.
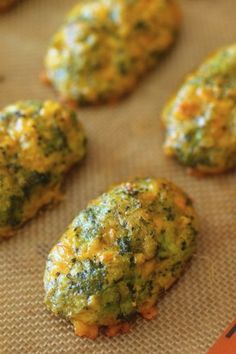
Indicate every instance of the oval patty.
{"type": "Point", "coordinates": [119, 255]}
{"type": "Point", "coordinates": [200, 119]}
{"type": "Point", "coordinates": [39, 143]}
{"type": "Point", "coordinates": [104, 47]}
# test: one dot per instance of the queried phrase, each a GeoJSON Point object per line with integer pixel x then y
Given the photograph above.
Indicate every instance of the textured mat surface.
{"type": "Point", "coordinates": [124, 142]}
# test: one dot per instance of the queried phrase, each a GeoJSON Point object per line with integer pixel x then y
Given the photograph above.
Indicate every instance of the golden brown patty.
{"type": "Point", "coordinates": [200, 119]}
{"type": "Point", "coordinates": [119, 255]}
{"type": "Point", "coordinates": [39, 143]}
{"type": "Point", "coordinates": [104, 47]}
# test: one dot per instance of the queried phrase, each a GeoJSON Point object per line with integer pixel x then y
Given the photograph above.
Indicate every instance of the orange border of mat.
{"type": "Point", "coordinates": [226, 344]}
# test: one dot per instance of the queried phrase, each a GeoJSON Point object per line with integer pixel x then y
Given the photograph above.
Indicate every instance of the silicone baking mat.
{"type": "Point", "coordinates": [125, 141]}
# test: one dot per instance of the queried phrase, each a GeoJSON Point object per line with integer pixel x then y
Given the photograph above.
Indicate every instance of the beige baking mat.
{"type": "Point", "coordinates": [124, 142]}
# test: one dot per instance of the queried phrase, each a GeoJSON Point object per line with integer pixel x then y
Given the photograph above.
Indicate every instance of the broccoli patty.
{"type": "Point", "coordinates": [39, 142]}
{"type": "Point", "coordinates": [200, 119]}
{"type": "Point", "coordinates": [119, 255]}
{"type": "Point", "coordinates": [105, 46]}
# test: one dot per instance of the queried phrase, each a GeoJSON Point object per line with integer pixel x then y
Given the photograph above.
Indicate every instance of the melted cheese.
{"type": "Point", "coordinates": [105, 46]}
{"type": "Point", "coordinates": [201, 118]}
{"type": "Point", "coordinates": [119, 254]}
{"type": "Point", "coordinates": [39, 142]}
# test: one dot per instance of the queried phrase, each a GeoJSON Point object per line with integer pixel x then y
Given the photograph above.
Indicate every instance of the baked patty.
{"type": "Point", "coordinates": [200, 119]}
{"type": "Point", "coordinates": [119, 255]}
{"type": "Point", "coordinates": [39, 143]}
{"type": "Point", "coordinates": [104, 47]}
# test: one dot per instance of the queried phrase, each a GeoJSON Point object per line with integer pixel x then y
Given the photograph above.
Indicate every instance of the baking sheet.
{"type": "Point", "coordinates": [124, 142]}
